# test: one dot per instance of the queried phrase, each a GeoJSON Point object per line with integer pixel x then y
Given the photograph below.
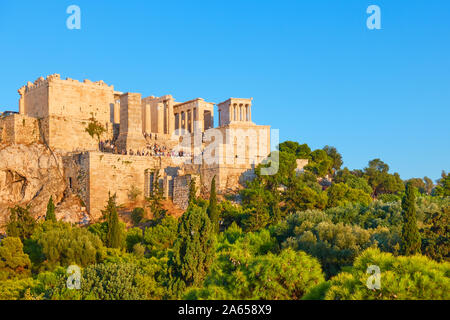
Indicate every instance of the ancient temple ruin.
{"type": "Point", "coordinates": [140, 137]}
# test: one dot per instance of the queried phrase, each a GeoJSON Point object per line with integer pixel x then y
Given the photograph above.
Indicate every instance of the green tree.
{"type": "Point", "coordinates": [133, 237]}
{"type": "Point", "coordinates": [248, 267]}
{"type": "Point", "coordinates": [443, 185]}
{"type": "Point", "coordinates": [436, 235]}
{"type": "Point", "coordinates": [312, 231]}
{"type": "Point", "coordinates": [301, 151]}
{"type": "Point", "coordinates": [339, 194]}
{"type": "Point", "coordinates": [112, 281]}
{"type": "Point", "coordinates": [193, 250]}
{"type": "Point", "coordinates": [192, 192]}
{"type": "Point", "coordinates": [321, 164]}
{"type": "Point", "coordinates": [410, 232]}
{"type": "Point", "coordinates": [155, 199]}
{"type": "Point", "coordinates": [137, 215]}
{"type": "Point", "coordinates": [401, 278]}
{"type": "Point", "coordinates": [161, 237]}
{"type": "Point", "coordinates": [114, 236]}
{"type": "Point", "coordinates": [429, 185]}
{"type": "Point", "coordinates": [378, 176]}
{"type": "Point", "coordinates": [21, 224]}
{"type": "Point", "coordinates": [13, 262]}
{"type": "Point", "coordinates": [60, 244]}
{"type": "Point", "coordinates": [213, 211]}
{"type": "Point", "coordinates": [50, 215]}
{"type": "Point", "coordinates": [95, 128]}
{"type": "Point", "coordinates": [255, 198]}
{"type": "Point", "coordinates": [335, 156]}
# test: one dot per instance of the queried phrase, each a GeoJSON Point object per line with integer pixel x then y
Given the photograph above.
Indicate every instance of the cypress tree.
{"type": "Point", "coordinates": [410, 232]}
{"type": "Point", "coordinates": [21, 224]}
{"type": "Point", "coordinates": [213, 211]}
{"type": "Point", "coordinates": [113, 236]}
{"type": "Point", "coordinates": [193, 250]}
{"type": "Point", "coordinates": [50, 215]}
{"type": "Point", "coordinates": [192, 192]}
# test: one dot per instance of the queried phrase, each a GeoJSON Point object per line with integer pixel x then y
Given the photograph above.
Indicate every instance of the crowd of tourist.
{"type": "Point", "coordinates": [150, 150]}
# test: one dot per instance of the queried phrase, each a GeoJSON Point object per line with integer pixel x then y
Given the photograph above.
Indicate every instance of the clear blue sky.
{"type": "Point", "coordinates": [313, 68]}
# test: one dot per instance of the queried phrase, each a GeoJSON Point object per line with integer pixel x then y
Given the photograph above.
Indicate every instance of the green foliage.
{"type": "Point", "coordinates": [352, 180]}
{"type": "Point", "coordinates": [301, 151]}
{"type": "Point", "coordinates": [21, 224]}
{"type": "Point", "coordinates": [133, 237]}
{"type": "Point", "coordinates": [59, 244]}
{"type": "Point", "coordinates": [340, 194]}
{"type": "Point", "coordinates": [443, 185]}
{"type": "Point", "coordinates": [410, 232]}
{"type": "Point", "coordinates": [300, 196]}
{"type": "Point", "coordinates": [162, 236]}
{"type": "Point", "coordinates": [246, 268]}
{"type": "Point", "coordinates": [115, 234]}
{"type": "Point", "coordinates": [193, 249]}
{"type": "Point", "coordinates": [436, 235]}
{"type": "Point", "coordinates": [50, 214]}
{"type": "Point", "coordinates": [402, 278]}
{"type": "Point", "coordinates": [13, 262]}
{"type": "Point", "coordinates": [389, 197]}
{"type": "Point", "coordinates": [192, 192]}
{"type": "Point", "coordinates": [213, 211]}
{"type": "Point", "coordinates": [137, 215]}
{"type": "Point", "coordinates": [139, 250]}
{"type": "Point", "coordinates": [113, 281]}
{"type": "Point", "coordinates": [231, 213]}
{"type": "Point", "coordinates": [134, 193]}
{"type": "Point", "coordinates": [15, 289]}
{"type": "Point", "coordinates": [378, 176]}
{"type": "Point", "coordinates": [95, 128]}
{"type": "Point", "coordinates": [335, 156]}
{"type": "Point", "coordinates": [335, 245]}
{"type": "Point", "coordinates": [155, 198]}
{"type": "Point", "coordinates": [255, 199]}
{"type": "Point", "coordinates": [321, 164]}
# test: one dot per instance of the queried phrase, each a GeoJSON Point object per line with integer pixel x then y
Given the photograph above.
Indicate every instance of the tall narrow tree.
{"type": "Point", "coordinates": [50, 215]}
{"type": "Point", "coordinates": [213, 211]}
{"type": "Point", "coordinates": [113, 236]}
{"type": "Point", "coordinates": [193, 250]}
{"type": "Point", "coordinates": [410, 232]}
{"type": "Point", "coordinates": [192, 192]}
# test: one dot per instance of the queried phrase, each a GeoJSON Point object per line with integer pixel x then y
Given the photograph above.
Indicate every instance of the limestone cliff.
{"type": "Point", "coordinates": [29, 175]}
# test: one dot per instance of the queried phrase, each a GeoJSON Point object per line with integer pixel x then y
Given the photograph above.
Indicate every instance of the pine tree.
{"type": "Point", "coordinates": [410, 233]}
{"type": "Point", "coordinates": [113, 236]}
{"type": "Point", "coordinates": [50, 215]}
{"type": "Point", "coordinates": [213, 211]}
{"type": "Point", "coordinates": [21, 224]}
{"type": "Point", "coordinates": [193, 250]}
{"type": "Point", "coordinates": [155, 199]}
{"type": "Point", "coordinates": [192, 192]}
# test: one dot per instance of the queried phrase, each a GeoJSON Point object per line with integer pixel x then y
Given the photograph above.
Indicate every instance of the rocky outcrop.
{"type": "Point", "coordinates": [29, 175]}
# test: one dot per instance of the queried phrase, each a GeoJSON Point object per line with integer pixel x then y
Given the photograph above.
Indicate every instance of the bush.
{"type": "Point", "coordinates": [248, 267]}
{"type": "Point", "coordinates": [162, 236]}
{"type": "Point", "coordinates": [59, 244]}
{"type": "Point", "coordinates": [137, 215]}
{"type": "Point", "coordinates": [13, 262]}
{"type": "Point", "coordinates": [402, 278]}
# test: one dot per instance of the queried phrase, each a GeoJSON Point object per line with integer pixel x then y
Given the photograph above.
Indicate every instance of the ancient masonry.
{"type": "Point", "coordinates": [56, 113]}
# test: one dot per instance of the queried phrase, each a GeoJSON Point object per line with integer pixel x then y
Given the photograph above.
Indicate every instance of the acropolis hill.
{"type": "Point", "coordinates": [46, 149]}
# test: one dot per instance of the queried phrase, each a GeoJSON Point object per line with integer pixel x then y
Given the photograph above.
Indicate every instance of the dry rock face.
{"type": "Point", "coordinates": [29, 175]}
